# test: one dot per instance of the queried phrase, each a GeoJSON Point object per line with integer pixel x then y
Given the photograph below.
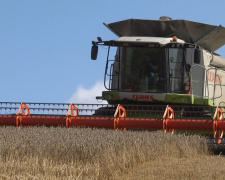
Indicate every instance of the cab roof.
{"type": "Point", "coordinates": [210, 37]}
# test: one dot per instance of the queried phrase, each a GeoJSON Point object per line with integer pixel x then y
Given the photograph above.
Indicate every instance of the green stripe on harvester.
{"type": "Point", "coordinates": [179, 98]}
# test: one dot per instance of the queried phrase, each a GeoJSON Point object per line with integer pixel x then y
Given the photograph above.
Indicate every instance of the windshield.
{"type": "Point", "coordinates": [143, 69]}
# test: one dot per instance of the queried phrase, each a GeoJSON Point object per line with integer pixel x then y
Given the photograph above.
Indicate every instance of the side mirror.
{"type": "Point", "coordinates": [197, 56]}
{"type": "Point", "coordinates": [94, 52]}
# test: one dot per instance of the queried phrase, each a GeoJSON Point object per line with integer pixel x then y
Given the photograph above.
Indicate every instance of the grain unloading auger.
{"type": "Point", "coordinates": [164, 74]}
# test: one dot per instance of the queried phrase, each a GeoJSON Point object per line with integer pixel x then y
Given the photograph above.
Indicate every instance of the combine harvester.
{"type": "Point", "coordinates": [160, 75]}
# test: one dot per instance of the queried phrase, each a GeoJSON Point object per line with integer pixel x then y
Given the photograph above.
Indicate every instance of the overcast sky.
{"type": "Point", "coordinates": [45, 44]}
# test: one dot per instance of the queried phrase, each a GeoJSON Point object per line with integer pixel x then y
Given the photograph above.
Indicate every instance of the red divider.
{"type": "Point", "coordinates": [190, 124]}
{"type": "Point", "coordinates": [43, 120]}
{"type": "Point", "coordinates": [92, 121]}
{"type": "Point", "coordinates": [139, 123]}
{"type": "Point", "coordinates": [7, 120]}
{"type": "Point", "coordinates": [220, 124]}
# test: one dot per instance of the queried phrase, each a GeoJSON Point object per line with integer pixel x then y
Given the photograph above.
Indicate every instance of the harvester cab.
{"type": "Point", "coordinates": [163, 61]}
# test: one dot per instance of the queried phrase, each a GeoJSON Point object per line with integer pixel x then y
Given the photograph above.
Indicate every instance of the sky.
{"type": "Point", "coordinates": [45, 46]}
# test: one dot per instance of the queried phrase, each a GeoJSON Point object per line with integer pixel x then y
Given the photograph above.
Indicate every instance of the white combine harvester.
{"type": "Point", "coordinates": [160, 74]}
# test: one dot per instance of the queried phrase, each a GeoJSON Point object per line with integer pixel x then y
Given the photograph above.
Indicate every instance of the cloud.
{"type": "Point", "coordinates": [88, 96]}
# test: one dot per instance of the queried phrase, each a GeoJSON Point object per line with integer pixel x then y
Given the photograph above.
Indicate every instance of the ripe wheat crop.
{"type": "Point", "coordinates": [79, 153]}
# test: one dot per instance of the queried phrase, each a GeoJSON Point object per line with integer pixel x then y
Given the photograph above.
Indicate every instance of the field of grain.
{"type": "Point", "coordinates": [78, 153]}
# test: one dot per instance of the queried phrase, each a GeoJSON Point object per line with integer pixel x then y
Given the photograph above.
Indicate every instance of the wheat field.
{"type": "Point", "coordinates": [83, 153]}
